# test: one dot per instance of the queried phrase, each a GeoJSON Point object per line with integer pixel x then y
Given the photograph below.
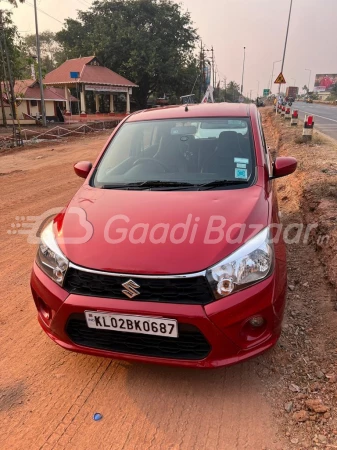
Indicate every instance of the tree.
{"type": "Point", "coordinates": [50, 50]}
{"type": "Point", "coordinates": [232, 92]}
{"type": "Point", "coordinates": [15, 3]}
{"type": "Point", "coordinates": [13, 62]}
{"type": "Point", "coordinates": [306, 89]}
{"type": "Point", "coordinates": [151, 42]}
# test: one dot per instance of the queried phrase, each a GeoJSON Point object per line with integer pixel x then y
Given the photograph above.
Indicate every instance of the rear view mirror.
{"type": "Point", "coordinates": [284, 166]}
{"type": "Point", "coordinates": [82, 168]}
{"type": "Point", "coordinates": [184, 130]}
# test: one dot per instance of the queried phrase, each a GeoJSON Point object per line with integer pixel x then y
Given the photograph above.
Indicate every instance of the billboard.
{"type": "Point", "coordinates": [325, 82]}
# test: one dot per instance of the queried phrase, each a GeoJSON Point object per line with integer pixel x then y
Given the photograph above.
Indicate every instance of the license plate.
{"type": "Point", "coordinates": [157, 326]}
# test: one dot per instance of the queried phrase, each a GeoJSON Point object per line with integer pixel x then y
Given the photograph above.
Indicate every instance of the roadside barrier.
{"type": "Point", "coordinates": [287, 114]}
{"type": "Point", "coordinates": [308, 127]}
{"type": "Point", "coordinates": [294, 117]}
{"type": "Point", "coordinates": [283, 111]}
{"type": "Point", "coordinates": [58, 132]}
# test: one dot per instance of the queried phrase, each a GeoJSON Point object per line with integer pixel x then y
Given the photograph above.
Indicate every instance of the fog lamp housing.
{"type": "Point", "coordinates": [256, 321]}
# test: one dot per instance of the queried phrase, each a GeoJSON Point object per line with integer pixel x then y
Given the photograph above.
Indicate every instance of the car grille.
{"type": "Point", "coordinates": [191, 291]}
{"type": "Point", "coordinates": [191, 343]}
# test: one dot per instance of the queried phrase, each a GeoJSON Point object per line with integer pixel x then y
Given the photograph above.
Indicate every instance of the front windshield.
{"type": "Point", "coordinates": [192, 153]}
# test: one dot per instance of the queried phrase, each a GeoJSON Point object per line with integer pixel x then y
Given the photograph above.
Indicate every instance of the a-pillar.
{"type": "Point", "coordinates": [83, 105]}
{"type": "Point", "coordinates": [97, 103]}
{"type": "Point", "coordinates": [128, 102]}
{"type": "Point", "coordinates": [66, 95]}
{"type": "Point", "coordinates": [112, 106]}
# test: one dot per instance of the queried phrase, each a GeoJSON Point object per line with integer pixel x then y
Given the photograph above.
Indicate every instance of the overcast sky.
{"type": "Point", "coordinates": [229, 25]}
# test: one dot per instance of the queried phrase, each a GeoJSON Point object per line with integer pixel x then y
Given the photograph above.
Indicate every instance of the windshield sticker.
{"type": "Point", "coordinates": [241, 166]}
{"type": "Point", "coordinates": [241, 174]}
{"type": "Point", "coordinates": [241, 160]}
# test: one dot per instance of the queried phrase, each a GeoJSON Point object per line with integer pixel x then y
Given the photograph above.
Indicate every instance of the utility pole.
{"type": "Point", "coordinates": [2, 79]}
{"type": "Point", "coordinates": [8, 80]}
{"type": "Point", "coordinates": [202, 70]}
{"type": "Point", "coordinates": [225, 80]}
{"type": "Point", "coordinates": [4, 120]}
{"type": "Point", "coordinates": [9, 71]}
{"type": "Point", "coordinates": [272, 74]}
{"type": "Point", "coordinates": [43, 109]}
{"type": "Point", "coordinates": [213, 68]}
{"type": "Point", "coordinates": [309, 70]}
{"type": "Point", "coordinates": [285, 44]}
{"type": "Point", "coordinates": [243, 67]}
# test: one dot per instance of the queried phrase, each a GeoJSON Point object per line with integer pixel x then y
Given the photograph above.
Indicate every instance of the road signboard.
{"type": "Point", "coordinates": [266, 92]}
{"type": "Point", "coordinates": [280, 79]}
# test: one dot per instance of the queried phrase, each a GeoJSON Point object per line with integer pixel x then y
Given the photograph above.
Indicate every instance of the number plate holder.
{"type": "Point", "coordinates": [156, 326]}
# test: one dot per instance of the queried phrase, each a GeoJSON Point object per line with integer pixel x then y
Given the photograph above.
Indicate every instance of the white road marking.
{"type": "Point", "coordinates": [322, 117]}
{"type": "Point", "coordinates": [329, 126]}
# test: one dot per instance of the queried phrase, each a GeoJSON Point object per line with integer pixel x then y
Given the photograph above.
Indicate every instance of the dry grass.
{"type": "Point", "coordinates": [312, 189]}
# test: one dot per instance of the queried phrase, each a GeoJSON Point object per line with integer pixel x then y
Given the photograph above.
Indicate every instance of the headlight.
{"type": "Point", "coordinates": [250, 263]}
{"type": "Point", "coordinates": [49, 257]}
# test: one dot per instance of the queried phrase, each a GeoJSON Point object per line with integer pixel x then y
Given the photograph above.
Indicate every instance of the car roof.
{"type": "Point", "coordinates": [205, 110]}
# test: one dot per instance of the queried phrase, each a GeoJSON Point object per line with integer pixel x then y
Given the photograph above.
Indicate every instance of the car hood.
{"type": "Point", "coordinates": [158, 232]}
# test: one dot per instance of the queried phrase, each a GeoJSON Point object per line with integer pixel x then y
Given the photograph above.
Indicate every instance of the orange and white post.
{"type": "Point", "coordinates": [287, 114]}
{"type": "Point", "coordinates": [308, 127]}
{"type": "Point", "coordinates": [294, 117]}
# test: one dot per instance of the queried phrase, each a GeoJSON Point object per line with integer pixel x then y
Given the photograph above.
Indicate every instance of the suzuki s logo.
{"type": "Point", "coordinates": [130, 289]}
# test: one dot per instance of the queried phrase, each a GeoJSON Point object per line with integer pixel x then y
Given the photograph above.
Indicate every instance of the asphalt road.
{"type": "Point", "coordinates": [325, 116]}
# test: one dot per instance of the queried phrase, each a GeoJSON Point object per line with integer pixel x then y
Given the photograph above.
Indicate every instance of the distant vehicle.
{"type": "Point", "coordinates": [197, 299]}
{"type": "Point", "coordinates": [292, 91]}
{"type": "Point", "coordinates": [259, 102]}
{"type": "Point", "coordinates": [308, 100]}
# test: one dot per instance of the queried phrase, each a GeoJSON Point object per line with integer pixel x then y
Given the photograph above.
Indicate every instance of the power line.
{"type": "Point", "coordinates": [43, 12]}
{"type": "Point", "coordinates": [84, 3]}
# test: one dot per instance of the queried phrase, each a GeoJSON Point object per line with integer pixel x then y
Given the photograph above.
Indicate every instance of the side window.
{"type": "Point", "coordinates": [265, 148]}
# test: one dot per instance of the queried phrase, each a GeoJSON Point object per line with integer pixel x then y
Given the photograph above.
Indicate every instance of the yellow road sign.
{"type": "Point", "coordinates": [280, 79]}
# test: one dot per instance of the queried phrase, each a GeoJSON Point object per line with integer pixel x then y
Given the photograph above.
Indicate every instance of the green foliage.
{"type": "Point", "coordinates": [150, 42]}
{"type": "Point", "coordinates": [16, 50]}
{"type": "Point", "coordinates": [15, 2]}
{"type": "Point", "coordinates": [333, 93]}
{"type": "Point", "coordinates": [50, 50]}
{"type": "Point", "coordinates": [231, 94]}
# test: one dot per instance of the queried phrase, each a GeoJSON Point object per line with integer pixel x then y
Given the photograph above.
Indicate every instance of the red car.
{"type": "Point", "coordinates": [167, 253]}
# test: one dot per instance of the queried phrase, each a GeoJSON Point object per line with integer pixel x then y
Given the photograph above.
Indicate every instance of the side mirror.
{"type": "Point", "coordinates": [82, 168]}
{"type": "Point", "coordinates": [284, 166]}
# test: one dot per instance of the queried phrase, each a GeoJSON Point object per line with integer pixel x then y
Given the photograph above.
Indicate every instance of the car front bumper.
{"type": "Point", "coordinates": [223, 323]}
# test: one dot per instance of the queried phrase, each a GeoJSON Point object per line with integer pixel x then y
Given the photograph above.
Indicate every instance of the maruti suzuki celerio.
{"type": "Point", "coordinates": [169, 253]}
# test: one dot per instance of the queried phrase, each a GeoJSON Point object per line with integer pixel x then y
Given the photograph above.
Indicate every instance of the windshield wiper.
{"type": "Point", "coordinates": [149, 184]}
{"type": "Point", "coordinates": [217, 183]}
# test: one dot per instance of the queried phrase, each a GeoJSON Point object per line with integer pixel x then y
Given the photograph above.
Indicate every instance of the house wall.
{"type": "Point", "coordinates": [33, 110]}
{"type": "Point", "coordinates": [50, 111]}
{"type": "Point", "coordinates": [21, 108]}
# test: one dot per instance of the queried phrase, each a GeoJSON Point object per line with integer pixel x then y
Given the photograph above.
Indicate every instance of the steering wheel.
{"type": "Point", "coordinates": [141, 160]}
